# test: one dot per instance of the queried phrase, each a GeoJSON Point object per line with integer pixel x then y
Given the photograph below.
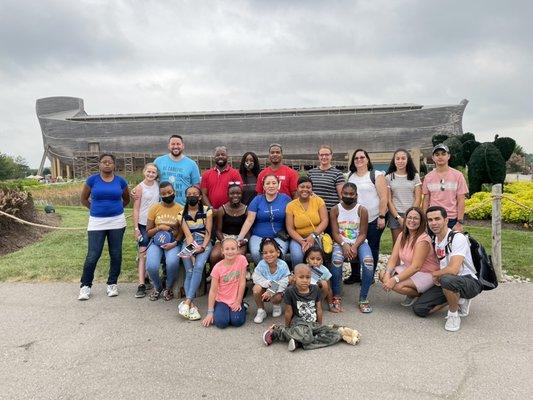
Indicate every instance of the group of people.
{"type": "Point", "coordinates": [283, 220]}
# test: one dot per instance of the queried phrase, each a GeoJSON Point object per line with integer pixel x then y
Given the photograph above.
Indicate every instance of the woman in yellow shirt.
{"type": "Point", "coordinates": [306, 217]}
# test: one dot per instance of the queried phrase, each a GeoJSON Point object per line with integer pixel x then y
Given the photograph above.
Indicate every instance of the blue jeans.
{"type": "Point", "coordinates": [95, 246]}
{"type": "Point", "coordinates": [366, 264]}
{"type": "Point", "coordinates": [373, 237]}
{"type": "Point", "coordinates": [254, 243]}
{"type": "Point", "coordinates": [194, 272]}
{"type": "Point", "coordinates": [224, 317]}
{"type": "Point", "coordinates": [153, 261]}
{"type": "Point", "coordinates": [297, 255]}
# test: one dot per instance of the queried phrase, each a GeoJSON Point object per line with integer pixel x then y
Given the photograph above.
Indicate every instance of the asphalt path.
{"type": "Point", "coordinates": [56, 347]}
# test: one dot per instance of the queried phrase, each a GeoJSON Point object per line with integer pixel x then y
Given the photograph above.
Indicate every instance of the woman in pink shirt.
{"type": "Point", "coordinates": [412, 260]}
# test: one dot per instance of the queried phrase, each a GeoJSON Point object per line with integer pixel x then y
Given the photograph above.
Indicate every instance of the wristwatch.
{"type": "Point", "coordinates": [397, 217]}
{"type": "Point", "coordinates": [396, 279]}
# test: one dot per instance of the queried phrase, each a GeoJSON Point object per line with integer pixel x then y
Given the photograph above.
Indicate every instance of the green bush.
{"type": "Point", "coordinates": [456, 151]}
{"type": "Point", "coordinates": [506, 146]}
{"type": "Point", "coordinates": [522, 192]}
{"type": "Point", "coordinates": [438, 139]}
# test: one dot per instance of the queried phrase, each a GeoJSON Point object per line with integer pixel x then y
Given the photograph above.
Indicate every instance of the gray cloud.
{"type": "Point", "coordinates": [136, 56]}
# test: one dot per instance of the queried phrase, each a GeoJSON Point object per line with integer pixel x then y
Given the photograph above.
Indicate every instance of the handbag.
{"type": "Point", "coordinates": [323, 240]}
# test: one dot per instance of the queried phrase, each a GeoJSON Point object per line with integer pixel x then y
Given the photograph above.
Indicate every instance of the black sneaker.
{"type": "Point", "coordinates": [141, 291]}
{"type": "Point", "coordinates": [148, 284]}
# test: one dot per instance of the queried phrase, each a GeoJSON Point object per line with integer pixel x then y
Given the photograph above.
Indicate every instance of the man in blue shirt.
{"type": "Point", "coordinates": [178, 169]}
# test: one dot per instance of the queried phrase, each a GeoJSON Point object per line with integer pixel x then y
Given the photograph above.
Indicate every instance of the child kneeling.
{"type": "Point", "coordinates": [303, 316]}
{"type": "Point", "coordinates": [228, 280]}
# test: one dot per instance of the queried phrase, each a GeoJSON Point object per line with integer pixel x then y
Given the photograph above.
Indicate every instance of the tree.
{"type": "Point", "coordinates": [13, 168]}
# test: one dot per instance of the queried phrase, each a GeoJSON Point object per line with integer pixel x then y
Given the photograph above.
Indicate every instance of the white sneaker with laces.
{"type": "Point", "coordinates": [183, 310]}
{"type": "Point", "coordinates": [292, 345]}
{"type": "Point", "coordinates": [276, 311]}
{"type": "Point", "coordinates": [112, 290]}
{"type": "Point", "coordinates": [453, 322]}
{"type": "Point", "coordinates": [260, 316]}
{"type": "Point", "coordinates": [464, 307]}
{"type": "Point", "coordinates": [85, 293]}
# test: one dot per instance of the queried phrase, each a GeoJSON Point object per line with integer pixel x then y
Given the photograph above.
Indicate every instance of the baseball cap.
{"type": "Point", "coordinates": [162, 237]}
{"type": "Point", "coordinates": [441, 146]}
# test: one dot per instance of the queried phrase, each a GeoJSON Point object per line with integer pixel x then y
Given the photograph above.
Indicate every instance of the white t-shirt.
{"type": "Point", "coordinates": [460, 246]}
{"type": "Point", "coordinates": [367, 194]}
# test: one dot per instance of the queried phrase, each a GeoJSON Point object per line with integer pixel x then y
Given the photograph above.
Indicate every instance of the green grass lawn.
{"type": "Point", "coordinates": [59, 255]}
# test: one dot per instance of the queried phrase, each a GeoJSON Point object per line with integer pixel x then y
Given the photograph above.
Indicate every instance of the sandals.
{"type": "Point", "coordinates": [364, 307]}
{"type": "Point", "coordinates": [336, 305]}
{"type": "Point", "coordinates": [168, 294]}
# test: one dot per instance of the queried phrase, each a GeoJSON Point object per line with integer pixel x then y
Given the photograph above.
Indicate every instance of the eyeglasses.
{"type": "Point", "coordinates": [325, 155]}
{"type": "Point", "coordinates": [442, 187]}
{"type": "Point", "coordinates": [234, 183]}
{"type": "Point", "coordinates": [413, 218]}
{"type": "Point", "coordinates": [359, 158]}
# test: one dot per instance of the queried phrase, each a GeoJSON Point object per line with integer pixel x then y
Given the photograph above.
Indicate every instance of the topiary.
{"type": "Point", "coordinates": [456, 151]}
{"type": "Point", "coordinates": [465, 137]}
{"type": "Point", "coordinates": [468, 148]}
{"type": "Point", "coordinates": [486, 165]}
{"type": "Point", "coordinates": [506, 146]}
{"type": "Point", "coordinates": [438, 139]}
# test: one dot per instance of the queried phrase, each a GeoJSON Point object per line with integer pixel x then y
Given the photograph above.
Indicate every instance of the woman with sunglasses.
{"type": "Point", "coordinates": [410, 266]}
{"type": "Point", "coordinates": [373, 195]}
{"type": "Point", "coordinates": [405, 189]}
{"type": "Point", "coordinates": [266, 218]}
{"type": "Point", "coordinates": [249, 169]}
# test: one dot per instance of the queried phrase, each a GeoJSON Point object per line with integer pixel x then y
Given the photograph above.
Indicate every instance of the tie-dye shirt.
{"type": "Point", "coordinates": [348, 221]}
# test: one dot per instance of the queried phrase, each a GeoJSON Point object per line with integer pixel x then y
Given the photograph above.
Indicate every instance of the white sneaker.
{"type": "Point", "coordinates": [464, 307]}
{"type": "Point", "coordinates": [194, 315]}
{"type": "Point", "coordinates": [183, 310]}
{"type": "Point", "coordinates": [453, 322]}
{"type": "Point", "coordinates": [260, 316]}
{"type": "Point", "coordinates": [85, 293]}
{"type": "Point", "coordinates": [292, 345]}
{"type": "Point", "coordinates": [276, 311]}
{"type": "Point", "coordinates": [112, 290]}
{"type": "Point", "coordinates": [408, 301]}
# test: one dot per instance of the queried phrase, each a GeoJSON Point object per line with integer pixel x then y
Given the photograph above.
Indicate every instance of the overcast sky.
{"type": "Point", "coordinates": [164, 56]}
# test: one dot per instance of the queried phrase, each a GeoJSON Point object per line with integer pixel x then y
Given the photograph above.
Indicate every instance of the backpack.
{"type": "Point", "coordinates": [372, 176]}
{"type": "Point", "coordinates": [482, 261]}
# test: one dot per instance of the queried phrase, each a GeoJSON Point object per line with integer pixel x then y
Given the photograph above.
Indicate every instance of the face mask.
{"type": "Point", "coordinates": [348, 200]}
{"type": "Point", "coordinates": [192, 200]}
{"type": "Point", "coordinates": [248, 165]}
{"type": "Point", "coordinates": [168, 199]}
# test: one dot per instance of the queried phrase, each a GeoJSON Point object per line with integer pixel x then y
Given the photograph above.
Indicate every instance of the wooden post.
{"type": "Point", "coordinates": [497, 230]}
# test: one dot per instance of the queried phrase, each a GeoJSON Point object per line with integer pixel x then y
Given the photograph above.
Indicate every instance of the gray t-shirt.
{"type": "Point", "coordinates": [325, 184]}
{"type": "Point", "coordinates": [403, 190]}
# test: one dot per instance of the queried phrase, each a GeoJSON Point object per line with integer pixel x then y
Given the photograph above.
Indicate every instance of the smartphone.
{"type": "Point", "coordinates": [274, 287]}
{"type": "Point", "coordinates": [190, 247]}
{"type": "Point", "coordinates": [187, 251]}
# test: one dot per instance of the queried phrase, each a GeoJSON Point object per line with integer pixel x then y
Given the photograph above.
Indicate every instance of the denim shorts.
{"type": "Point", "coordinates": [394, 223]}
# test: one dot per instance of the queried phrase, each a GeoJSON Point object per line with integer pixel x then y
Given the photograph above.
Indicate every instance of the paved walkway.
{"type": "Point", "coordinates": [55, 347]}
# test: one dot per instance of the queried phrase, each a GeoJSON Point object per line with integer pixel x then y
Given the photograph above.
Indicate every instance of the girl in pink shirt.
{"type": "Point", "coordinates": [412, 260]}
{"type": "Point", "coordinates": [228, 280]}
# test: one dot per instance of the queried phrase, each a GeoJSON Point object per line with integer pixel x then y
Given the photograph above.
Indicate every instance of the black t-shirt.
{"type": "Point", "coordinates": [303, 305]}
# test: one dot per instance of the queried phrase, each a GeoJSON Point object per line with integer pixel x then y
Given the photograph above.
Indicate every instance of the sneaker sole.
{"type": "Point", "coordinates": [264, 338]}
{"type": "Point", "coordinates": [140, 296]}
{"type": "Point", "coordinates": [83, 298]}
{"type": "Point", "coordinates": [292, 345]}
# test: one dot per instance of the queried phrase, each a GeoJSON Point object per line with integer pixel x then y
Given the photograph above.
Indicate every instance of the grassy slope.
{"type": "Point", "coordinates": [59, 255]}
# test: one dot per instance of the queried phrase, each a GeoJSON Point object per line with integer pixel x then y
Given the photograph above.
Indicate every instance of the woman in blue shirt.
{"type": "Point", "coordinates": [266, 218]}
{"type": "Point", "coordinates": [105, 195]}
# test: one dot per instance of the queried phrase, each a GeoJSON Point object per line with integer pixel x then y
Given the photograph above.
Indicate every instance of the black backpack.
{"type": "Point", "coordinates": [482, 261]}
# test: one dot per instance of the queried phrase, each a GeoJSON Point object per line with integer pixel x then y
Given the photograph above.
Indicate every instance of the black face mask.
{"type": "Point", "coordinates": [192, 200]}
{"type": "Point", "coordinates": [348, 200]}
{"type": "Point", "coordinates": [168, 199]}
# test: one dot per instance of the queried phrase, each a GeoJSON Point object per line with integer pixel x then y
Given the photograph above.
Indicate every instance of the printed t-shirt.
{"type": "Point", "coordinates": [197, 223]}
{"type": "Point", "coordinates": [305, 219]}
{"type": "Point", "coordinates": [161, 214]}
{"type": "Point", "coordinates": [181, 174]}
{"type": "Point", "coordinates": [286, 175]}
{"type": "Point", "coordinates": [403, 190]}
{"type": "Point", "coordinates": [459, 247]}
{"type": "Point", "coordinates": [217, 182]}
{"type": "Point", "coordinates": [444, 188]}
{"type": "Point", "coordinates": [270, 216]}
{"type": "Point", "coordinates": [228, 278]}
{"type": "Point", "coordinates": [407, 252]}
{"type": "Point", "coordinates": [303, 304]}
{"type": "Point", "coordinates": [325, 184]}
{"type": "Point", "coordinates": [106, 197]}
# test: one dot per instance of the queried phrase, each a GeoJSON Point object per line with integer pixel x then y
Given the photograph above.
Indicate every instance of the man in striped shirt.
{"type": "Point", "coordinates": [327, 180]}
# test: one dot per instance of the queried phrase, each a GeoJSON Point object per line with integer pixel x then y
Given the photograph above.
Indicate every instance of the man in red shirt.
{"type": "Point", "coordinates": [215, 181]}
{"type": "Point", "coordinates": [287, 176]}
